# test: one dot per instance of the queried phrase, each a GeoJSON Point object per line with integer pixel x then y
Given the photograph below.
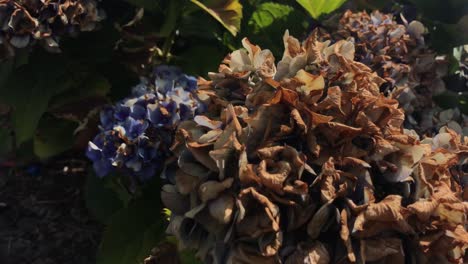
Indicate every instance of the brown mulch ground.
{"type": "Point", "coordinates": [43, 217]}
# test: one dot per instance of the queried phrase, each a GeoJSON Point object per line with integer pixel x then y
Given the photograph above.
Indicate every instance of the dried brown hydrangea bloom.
{"type": "Point", "coordinates": [306, 162]}
{"type": "Point", "coordinates": [24, 22]}
{"type": "Point", "coordinates": [383, 44]}
{"type": "Point", "coordinates": [397, 53]}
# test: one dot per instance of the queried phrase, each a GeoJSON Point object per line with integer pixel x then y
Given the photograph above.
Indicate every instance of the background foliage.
{"type": "Point", "coordinates": [51, 101]}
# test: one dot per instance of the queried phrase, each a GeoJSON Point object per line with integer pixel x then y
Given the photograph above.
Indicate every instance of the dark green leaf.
{"type": "Point", "coordinates": [6, 68]}
{"type": "Point", "coordinates": [451, 100]}
{"type": "Point", "coordinates": [463, 104]}
{"type": "Point", "coordinates": [89, 88]}
{"type": "Point", "coordinates": [443, 37]}
{"type": "Point", "coordinates": [29, 89]}
{"type": "Point", "coordinates": [132, 231]}
{"type": "Point", "coordinates": [101, 200]}
{"type": "Point", "coordinates": [53, 136]}
{"type": "Point", "coordinates": [6, 142]}
{"type": "Point", "coordinates": [447, 11]}
{"type": "Point", "coordinates": [446, 100]}
{"type": "Point", "coordinates": [188, 257]}
{"type": "Point", "coordinates": [199, 60]}
{"type": "Point", "coordinates": [171, 18]}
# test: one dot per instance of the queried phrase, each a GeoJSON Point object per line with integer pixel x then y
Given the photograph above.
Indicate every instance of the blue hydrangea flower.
{"type": "Point", "coordinates": [136, 132]}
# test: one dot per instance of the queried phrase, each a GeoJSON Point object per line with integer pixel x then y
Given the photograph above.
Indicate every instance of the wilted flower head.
{"type": "Point", "coordinates": [24, 22]}
{"type": "Point", "coordinates": [307, 161]}
{"type": "Point", "coordinates": [397, 53]}
{"type": "Point", "coordinates": [383, 44]}
{"type": "Point", "coordinates": [137, 131]}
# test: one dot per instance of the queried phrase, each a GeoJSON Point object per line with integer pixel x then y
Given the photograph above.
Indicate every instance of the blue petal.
{"type": "Point", "coordinates": [106, 117]}
{"type": "Point", "coordinates": [134, 128]}
{"type": "Point", "coordinates": [185, 112]}
{"type": "Point", "coordinates": [134, 164]}
{"type": "Point", "coordinates": [93, 152]}
{"type": "Point", "coordinates": [140, 89]}
{"type": "Point", "coordinates": [102, 167]}
{"type": "Point", "coordinates": [138, 112]}
{"type": "Point", "coordinates": [147, 172]}
{"type": "Point", "coordinates": [188, 82]}
{"type": "Point", "coordinates": [146, 150]}
{"type": "Point", "coordinates": [121, 112]}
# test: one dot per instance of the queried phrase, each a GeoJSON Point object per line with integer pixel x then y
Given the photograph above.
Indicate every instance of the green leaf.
{"type": "Point", "coordinates": [267, 13]}
{"type": "Point", "coordinates": [227, 12]}
{"type": "Point", "coordinates": [132, 231]}
{"type": "Point", "coordinates": [101, 200]}
{"type": "Point", "coordinates": [118, 186]}
{"type": "Point", "coordinates": [29, 89]}
{"type": "Point", "coordinates": [188, 257]}
{"type": "Point", "coordinates": [451, 100]}
{"type": "Point", "coordinates": [172, 15]}
{"type": "Point", "coordinates": [70, 104]}
{"type": "Point", "coordinates": [443, 37]}
{"type": "Point", "coordinates": [6, 142]}
{"type": "Point", "coordinates": [316, 8]}
{"type": "Point", "coordinates": [53, 136]}
{"type": "Point", "coordinates": [447, 11]}
{"type": "Point", "coordinates": [268, 23]}
{"type": "Point", "coordinates": [446, 100]}
{"type": "Point", "coordinates": [463, 103]}
{"type": "Point", "coordinates": [199, 60]}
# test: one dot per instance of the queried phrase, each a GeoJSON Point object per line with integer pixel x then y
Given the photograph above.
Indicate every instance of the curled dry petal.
{"type": "Point", "coordinates": [344, 235]}
{"type": "Point", "coordinates": [265, 217]}
{"type": "Point", "coordinates": [379, 248]}
{"type": "Point", "coordinates": [212, 189]}
{"type": "Point", "coordinates": [274, 180]}
{"type": "Point", "coordinates": [316, 253]}
{"type": "Point", "coordinates": [320, 219]}
{"type": "Point", "coordinates": [185, 182]}
{"type": "Point", "coordinates": [222, 208]}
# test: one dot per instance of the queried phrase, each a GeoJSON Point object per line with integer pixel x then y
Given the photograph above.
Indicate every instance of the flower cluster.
{"type": "Point", "coordinates": [137, 131]}
{"type": "Point", "coordinates": [397, 53]}
{"type": "Point", "coordinates": [305, 161]}
{"type": "Point", "coordinates": [384, 45]}
{"type": "Point", "coordinates": [24, 22]}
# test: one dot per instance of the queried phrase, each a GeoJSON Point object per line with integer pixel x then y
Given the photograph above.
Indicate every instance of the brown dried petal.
{"type": "Point", "coordinates": [173, 200]}
{"type": "Point", "coordinates": [320, 218]}
{"type": "Point", "coordinates": [243, 254]}
{"type": "Point", "coordinates": [212, 189]}
{"type": "Point", "coordinates": [378, 248]}
{"type": "Point", "coordinates": [260, 214]}
{"type": "Point", "coordinates": [424, 209]}
{"type": "Point", "coordinates": [222, 208]}
{"type": "Point", "coordinates": [273, 174]}
{"type": "Point", "coordinates": [316, 254]}
{"type": "Point", "coordinates": [344, 235]}
{"type": "Point", "coordinates": [185, 182]}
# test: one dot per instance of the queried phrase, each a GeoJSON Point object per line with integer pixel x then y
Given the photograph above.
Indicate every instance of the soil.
{"type": "Point", "coordinates": [43, 217]}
